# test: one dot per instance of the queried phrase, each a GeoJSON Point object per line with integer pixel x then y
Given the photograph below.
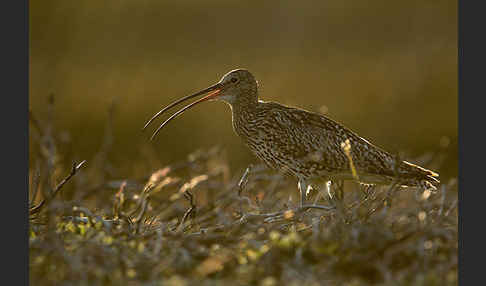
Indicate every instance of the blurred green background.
{"type": "Point", "coordinates": [385, 69]}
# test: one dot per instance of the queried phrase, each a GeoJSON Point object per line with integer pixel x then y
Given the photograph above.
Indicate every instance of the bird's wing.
{"type": "Point", "coordinates": [315, 140]}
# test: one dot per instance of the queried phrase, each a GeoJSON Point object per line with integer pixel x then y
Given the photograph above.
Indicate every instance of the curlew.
{"type": "Point", "coordinates": [311, 147]}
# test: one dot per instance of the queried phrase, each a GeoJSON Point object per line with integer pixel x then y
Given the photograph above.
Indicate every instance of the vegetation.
{"type": "Point", "coordinates": [194, 222]}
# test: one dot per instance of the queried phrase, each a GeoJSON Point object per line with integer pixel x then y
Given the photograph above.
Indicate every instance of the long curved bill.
{"type": "Point", "coordinates": [214, 89]}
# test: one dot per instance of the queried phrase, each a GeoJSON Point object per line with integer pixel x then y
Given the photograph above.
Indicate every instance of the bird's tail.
{"type": "Point", "coordinates": [416, 176]}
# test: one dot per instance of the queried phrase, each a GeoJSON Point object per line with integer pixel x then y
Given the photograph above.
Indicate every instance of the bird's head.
{"type": "Point", "coordinates": [238, 88]}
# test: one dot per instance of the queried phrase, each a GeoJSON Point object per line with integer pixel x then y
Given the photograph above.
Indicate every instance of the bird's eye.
{"type": "Point", "coordinates": [234, 80]}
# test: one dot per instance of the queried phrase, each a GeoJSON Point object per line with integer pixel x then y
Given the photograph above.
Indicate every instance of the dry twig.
{"type": "Point", "coordinates": [38, 208]}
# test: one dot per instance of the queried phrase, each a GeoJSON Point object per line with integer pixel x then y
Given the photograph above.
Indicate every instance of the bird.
{"type": "Point", "coordinates": [309, 146]}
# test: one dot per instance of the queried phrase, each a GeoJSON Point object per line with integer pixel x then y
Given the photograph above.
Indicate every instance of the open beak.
{"type": "Point", "coordinates": [215, 89]}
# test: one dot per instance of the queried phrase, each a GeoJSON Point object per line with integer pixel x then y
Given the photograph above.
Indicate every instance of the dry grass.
{"type": "Point", "coordinates": [195, 223]}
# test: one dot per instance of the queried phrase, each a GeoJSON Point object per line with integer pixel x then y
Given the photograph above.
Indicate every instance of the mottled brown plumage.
{"type": "Point", "coordinates": [304, 144]}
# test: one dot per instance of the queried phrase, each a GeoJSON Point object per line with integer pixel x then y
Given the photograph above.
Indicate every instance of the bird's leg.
{"type": "Point", "coordinates": [322, 194]}
{"type": "Point", "coordinates": [340, 190]}
{"type": "Point", "coordinates": [330, 197]}
{"type": "Point", "coordinates": [304, 189]}
{"type": "Point", "coordinates": [336, 199]}
{"type": "Point", "coordinates": [328, 189]}
{"type": "Point", "coordinates": [336, 194]}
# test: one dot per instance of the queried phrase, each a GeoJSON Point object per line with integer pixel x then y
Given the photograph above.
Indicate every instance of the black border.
{"type": "Point", "coordinates": [471, 64]}
{"type": "Point", "coordinates": [15, 94]}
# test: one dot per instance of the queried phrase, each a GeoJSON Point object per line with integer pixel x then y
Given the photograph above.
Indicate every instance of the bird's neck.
{"type": "Point", "coordinates": [243, 116]}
